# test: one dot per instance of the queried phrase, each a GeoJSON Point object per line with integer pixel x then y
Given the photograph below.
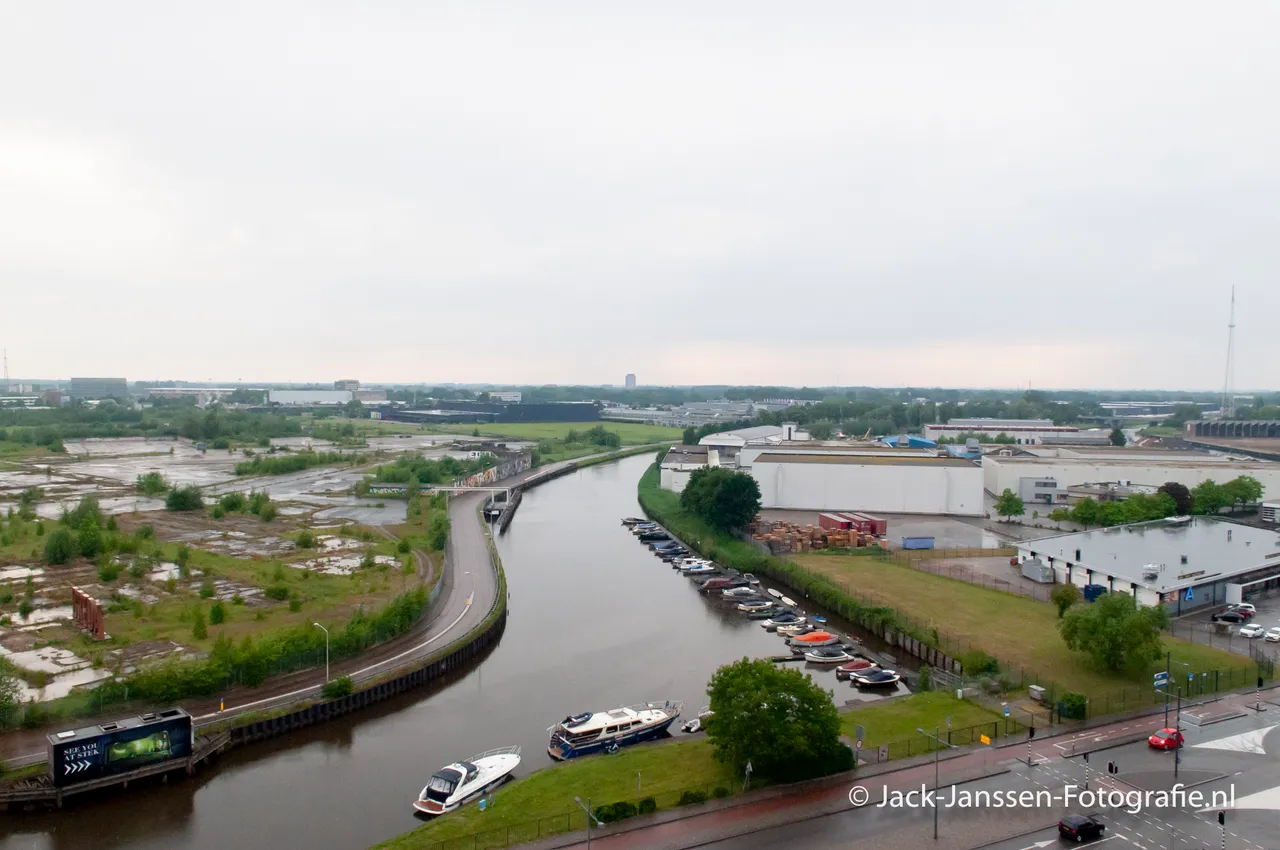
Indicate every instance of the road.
{"type": "Point", "coordinates": [1234, 750]}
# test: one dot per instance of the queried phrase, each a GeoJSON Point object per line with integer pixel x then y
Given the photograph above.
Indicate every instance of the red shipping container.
{"type": "Point", "coordinates": [834, 521]}
{"type": "Point", "coordinates": [879, 527]}
{"type": "Point", "coordinates": [861, 523]}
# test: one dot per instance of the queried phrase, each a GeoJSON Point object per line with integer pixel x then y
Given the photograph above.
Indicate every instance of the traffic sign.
{"type": "Point", "coordinates": [1161, 679]}
{"type": "Point", "coordinates": [1191, 596]}
{"type": "Point", "coordinates": [1006, 711]}
{"type": "Point", "coordinates": [984, 739]}
{"type": "Point", "coordinates": [858, 743]}
{"type": "Point", "coordinates": [859, 732]}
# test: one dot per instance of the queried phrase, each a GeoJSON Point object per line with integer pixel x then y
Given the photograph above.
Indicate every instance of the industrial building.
{"type": "Point", "coordinates": [350, 384]}
{"type": "Point", "coordinates": [1182, 563]}
{"type": "Point", "coordinates": [679, 463]}
{"type": "Point", "coordinates": [309, 398]}
{"type": "Point", "coordinates": [1233, 428]}
{"type": "Point", "coordinates": [98, 388]}
{"type": "Point", "coordinates": [1045, 474]}
{"type": "Point", "coordinates": [1024, 432]}
{"type": "Point", "coordinates": [506, 396]}
{"type": "Point", "coordinates": [370, 396]}
{"type": "Point", "coordinates": [1270, 513]}
{"type": "Point", "coordinates": [727, 444]}
{"type": "Point", "coordinates": [630, 381]}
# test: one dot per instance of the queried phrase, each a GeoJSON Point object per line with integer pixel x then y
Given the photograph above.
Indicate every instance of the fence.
{"type": "Point", "coordinates": [919, 744]}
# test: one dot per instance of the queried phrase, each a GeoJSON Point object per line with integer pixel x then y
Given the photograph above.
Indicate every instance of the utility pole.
{"type": "Point", "coordinates": [937, 738]}
{"type": "Point", "coordinates": [1177, 750]}
{"type": "Point", "coordinates": [1228, 384]}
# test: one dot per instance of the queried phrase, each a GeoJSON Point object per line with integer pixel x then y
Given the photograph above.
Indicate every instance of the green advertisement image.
{"type": "Point", "coordinates": [150, 748]}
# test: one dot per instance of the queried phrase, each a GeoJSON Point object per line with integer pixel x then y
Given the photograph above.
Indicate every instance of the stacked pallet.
{"type": "Point", "coordinates": [782, 538]}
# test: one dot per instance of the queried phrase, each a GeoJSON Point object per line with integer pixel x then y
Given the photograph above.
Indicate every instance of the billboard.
{"type": "Point", "coordinates": [113, 748]}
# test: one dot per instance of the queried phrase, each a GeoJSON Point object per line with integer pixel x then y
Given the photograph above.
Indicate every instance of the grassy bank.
{"type": "Point", "coordinates": [954, 615]}
{"type": "Point", "coordinates": [894, 722]}
{"type": "Point", "coordinates": [541, 803]}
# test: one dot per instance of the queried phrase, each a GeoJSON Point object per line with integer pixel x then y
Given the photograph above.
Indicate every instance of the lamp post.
{"type": "Point", "coordinates": [586, 807]}
{"type": "Point", "coordinates": [937, 738]}
{"type": "Point", "coordinates": [326, 651]}
{"type": "Point", "coordinates": [1177, 745]}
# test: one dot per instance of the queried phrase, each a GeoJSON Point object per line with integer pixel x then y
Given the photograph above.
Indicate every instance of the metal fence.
{"type": "Point", "coordinates": [920, 744]}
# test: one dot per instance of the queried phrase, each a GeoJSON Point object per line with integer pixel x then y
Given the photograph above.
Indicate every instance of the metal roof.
{"type": "Point", "coordinates": [889, 458]}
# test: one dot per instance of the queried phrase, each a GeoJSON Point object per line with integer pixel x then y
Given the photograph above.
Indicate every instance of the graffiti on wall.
{"type": "Point", "coordinates": [505, 469]}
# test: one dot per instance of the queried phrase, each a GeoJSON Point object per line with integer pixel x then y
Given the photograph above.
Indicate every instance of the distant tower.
{"type": "Point", "coordinates": [6, 370]}
{"type": "Point", "coordinates": [631, 382]}
{"type": "Point", "coordinates": [1228, 384]}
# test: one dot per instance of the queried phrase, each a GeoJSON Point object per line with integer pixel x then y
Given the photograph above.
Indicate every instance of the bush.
{"type": "Point", "coordinates": [295, 604]}
{"type": "Point", "coordinates": [25, 607]}
{"type": "Point", "coordinates": [145, 532]}
{"type": "Point", "coordinates": [278, 592]}
{"type": "Point", "coordinates": [305, 540]}
{"type": "Point", "coordinates": [89, 540]}
{"type": "Point", "coordinates": [926, 679]}
{"type": "Point", "coordinates": [39, 529]}
{"type": "Point", "coordinates": [1072, 706]}
{"type": "Point", "coordinates": [198, 629]}
{"type": "Point", "coordinates": [109, 572]}
{"type": "Point", "coordinates": [151, 484]}
{"type": "Point", "coordinates": [977, 662]}
{"type": "Point", "coordinates": [648, 806]}
{"type": "Point", "coordinates": [692, 798]}
{"type": "Point", "coordinates": [403, 547]}
{"type": "Point", "coordinates": [237, 600]}
{"type": "Point", "coordinates": [720, 792]}
{"type": "Point", "coordinates": [221, 443]}
{"type": "Point", "coordinates": [233, 503]}
{"type": "Point", "coordinates": [111, 524]}
{"type": "Point", "coordinates": [613, 812]}
{"type": "Point", "coordinates": [267, 512]}
{"type": "Point", "coordinates": [184, 499]}
{"type": "Point", "coordinates": [338, 688]}
{"type": "Point", "coordinates": [6, 596]}
{"type": "Point", "coordinates": [217, 512]}
{"type": "Point", "coordinates": [206, 588]}
{"type": "Point", "coordinates": [217, 614]}
{"type": "Point", "coordinates": [60, 547]}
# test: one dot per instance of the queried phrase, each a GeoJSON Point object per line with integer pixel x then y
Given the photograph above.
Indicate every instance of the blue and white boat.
{"type": "Point", "coordinates": [594, 732]}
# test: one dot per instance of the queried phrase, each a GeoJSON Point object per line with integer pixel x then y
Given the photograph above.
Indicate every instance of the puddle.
{"type": "Point", "coordinates": [167, 571]}
{"type": "Point", "coordinates": [139, 594]}
{"type": "Point", "coordinates": [10, 574]}
{"type": "Point", "coordinates": [44, 615]}
{"type": "Point", "coordinates": [47, 659]}
{"type": "Point", "coordinates": [343, 565]}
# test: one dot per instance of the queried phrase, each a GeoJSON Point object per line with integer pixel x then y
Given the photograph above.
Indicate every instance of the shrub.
{"type": "Point", "coordinates": [145, 532]}
{"type": "Point", "coordinates": [237, 600]}
{"type": "Point", "coordinates": [305, 540]}
{"type": "Point", "coordinates": [977, 662]}
{"type": "Point", "coordinates": [338, 688]}
{"type": "Point", "coordinates": [692, 798]}
{"type": "Point", "coordinates": [403, 547]}
{"type": "Point", "coordinates": [6, 596]}
{"type": "Point", "coordinates": [109, 572]}
{"type": "Point", "coordinates": [198, 629]}
{"type": "Point", "coordinates": [111, 524]}
{"type": "Point", "coordinates": [207, 588]}
{"type": "Point", "coordinates": [1072, 706]}
{"type": "Point", "coordinates": [267, 512]}
{"type": "Point", "coordinates": [720, 792]}
{"type": "Point", "coordinates": [295, 604]}
{"type": "Point", "coordinates": [151, 484]}
{"type": "Point", "coordinates": [39, 529]}
{"type": "Point", "coordinates": [647, 806]}
{"type": "Point", "coordinates": [217, 512]}
{"type": "Point", "coordinates": [25, 607]}
{"type": "Point", "coordinates": [217, 614]}
{"type": "Point", "coordinates": [171, 584]}
{"type": "Point", "coordinates": [926, 679]}
{"type": "Point", "coordinates": [368, 562]}
{"type": "Point", "coordinates": [277, 592]}
{"type": "Point", "coordinates": [60, 547]}
{"type": "Point", "coordinates": [137, 568]}
{"type": "Point", "coordinates": [183, 556]}
{"type": "Point", "coordinates": [184, 499]}
{"type": "Point", "coordinates": [221, 443]}
{"type": "Point", "coordinates": [233, 502]}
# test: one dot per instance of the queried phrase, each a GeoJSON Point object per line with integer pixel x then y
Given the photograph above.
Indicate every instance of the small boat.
{"type": "Point", "coordinates": [826, 655]}
{"type": "Point", "coordinates": [741, 590]}
{"type": "Point", "coordinates": [818, 619]}
{"type": "Point", "coordinates": [698, 570]}
{"type": "Point", "coordinates": [786, 600]}
{"type": "Point", "coordinates": [697, 724]}
{"type": "Point", "coordinates": [722, 583]}
{"type": "Point", "coordinates": [633, 521]}
{"type": "Point", "coordinates": [750, 578]}
{"type": "Point", "coordinates": [654, 536]}
{"type": "Point", "coordinates": [817, 638]}
{"type": "Point", "coordinates": [796, 628]}
{"type": "Point", "coordinates": [776, 594]}
{"type": "Point", "coordinates": [463, 781]}
{"type": "Point", "coordinates": [876, 678]}
{"type": "Point", "coordinates": [782, 619]}
{"type": "Point", "coordinates": [760, 605]}
{"type": "Point", "coordinates": [593, 732]}
{"type": "Point", "coordinates": [641, 527]}
{"type": "Point", "coordinates": [672, 554]}
{"type": "Point", "coordinates": [762, 614]}
{"type": "Point", "coordinates": [857, 665]}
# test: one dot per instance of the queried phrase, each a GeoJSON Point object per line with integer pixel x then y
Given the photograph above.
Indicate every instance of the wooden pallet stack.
{"type": "Point", "coordinates": [782, 538]}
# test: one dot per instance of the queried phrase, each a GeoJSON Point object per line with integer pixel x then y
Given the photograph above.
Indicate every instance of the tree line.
{"type": "Point", "coordinates": [1208, 498]}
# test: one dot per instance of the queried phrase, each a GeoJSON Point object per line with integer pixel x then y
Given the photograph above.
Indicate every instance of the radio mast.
{"type": "Point", "coordinates": [1228, 384]}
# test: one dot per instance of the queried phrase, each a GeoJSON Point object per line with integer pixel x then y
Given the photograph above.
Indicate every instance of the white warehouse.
{"type": "Point", "coordinates": [888, 482]}
{"type": "Point", "coordinates": [1012, 468]}
{"type": "Point", "coordinates": [309, 397]}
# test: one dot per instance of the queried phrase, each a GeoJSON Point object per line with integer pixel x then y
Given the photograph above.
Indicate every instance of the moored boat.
{"type": "Point", "coordinates": [633, 521]}
{"type": "Point", "coordinates": [826, 655]}
{"type": "Point", "coordinates": [787, 600]}
{"type": "Point", "coordinates": [593, 732]}
{"type": "Point", "coordinates": [698, 723]}
{"type": "Point", "coordinates": [741, 591]}
{"type": "Point", "coordinates": [463, 781]}
{"type": "Point", "coordinates": [776, 594]}
{"type": "Point", "coordinates": [751, 579]}
{"type": "Point", "coordinates": [756, 605]}
{"type": "Point", "coordinates": [699, 569]}
{"type": "Point", "coordinates": [875, 678]}
{"type": "Point", "coordinates": [781, 619]}
{"type": "Point", "coordinates": [856, 665]}
{"type": "Point", "coordinates": [796, 628]}
{"type": "Point", "coordinates": [762, 614]}
{"type": "Point", "coordinates": [814, 638]}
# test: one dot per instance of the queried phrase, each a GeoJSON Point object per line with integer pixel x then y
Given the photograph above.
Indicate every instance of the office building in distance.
{"type": "Point", "coordinates": [99, 388]}
{"type": "Point", "coordinates": [631, 381]}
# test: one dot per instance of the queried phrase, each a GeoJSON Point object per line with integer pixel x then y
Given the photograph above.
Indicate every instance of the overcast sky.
{"type": "Point", "coordinates": [976, 194]}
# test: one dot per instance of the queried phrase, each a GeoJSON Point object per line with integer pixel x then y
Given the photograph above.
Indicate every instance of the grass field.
{"type": "Point", "coordinates": [1021, 632]}
{"type": "Point", "coordinates": [894, 720]}
{"type": "Point", "coordinates": [541, 803]}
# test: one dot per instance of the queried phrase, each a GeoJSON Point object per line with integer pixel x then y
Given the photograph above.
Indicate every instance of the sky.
{"type": "Point", "coordinates": [916, 193]}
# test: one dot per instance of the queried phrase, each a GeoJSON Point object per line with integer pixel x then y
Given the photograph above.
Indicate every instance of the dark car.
{"type": "Point", "coordinates": [1229, 617]}
{"type": "Point", "coordinates": [1080, 828]}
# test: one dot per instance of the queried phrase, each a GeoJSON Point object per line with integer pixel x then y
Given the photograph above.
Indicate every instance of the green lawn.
{"type": "Point", "coordinates": [1020, 632]}
{"type": "Point", "coordinates": [894, 722]}
{"type": "Point", "coordinates": [541, 803]}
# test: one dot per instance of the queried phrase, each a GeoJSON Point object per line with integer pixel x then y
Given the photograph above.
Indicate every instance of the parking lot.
{"type": "Point", "coordinates": [1199, 626]}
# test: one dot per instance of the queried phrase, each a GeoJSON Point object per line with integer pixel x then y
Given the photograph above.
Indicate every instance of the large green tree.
{"type": "Point", "coordinates": [1009, 505]}
{"type": "Point", "coordinates": [1180, 494]}
{"type": "Point", "coordinates": [777, 719]}
{"type": "Point", "coordinates": [1118, 636]}
{"type": "Point", "coordinates": [1245, 490]}
{"type": "Point", "coordinates": [1209, 497]}
{"type": "Point", "coordinates": [1063, 596]}
{"type": "Point", "coordinates": [10, 694]}
{"type": "Point", "coordinates": [701, 488]}
{"type": "Point", "coordinates": [735, 502]}
{"type": "Point", "coordinates": [1117, 437]}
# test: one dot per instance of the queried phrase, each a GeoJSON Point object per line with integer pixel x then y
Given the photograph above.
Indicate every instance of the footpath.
{"type": "Point", "coordinates": [722, 820]}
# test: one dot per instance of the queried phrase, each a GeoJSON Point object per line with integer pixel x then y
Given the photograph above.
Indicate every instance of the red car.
{"type": "Point", "coordinates": [1166, 739]}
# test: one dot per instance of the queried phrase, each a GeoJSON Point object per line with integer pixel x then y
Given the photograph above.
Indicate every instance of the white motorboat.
{"type": "Point", "coordinates": [827, 655]}
{"type": "Point", "coordinates": [751, 579]}
{"type": "Point", "coordinates": [697, 724]}
{"type": "Point", "coordinates": [463, 781]}
{"type": "Point", "coordinates": [762, 605]}
{"type": "Point", "coordinates": [731, 592]}
{"type": "Point", "coordinates": [795, 628]}
{"type": "Point", "coordinates": [776, 594]}
{"type": "Point", "coordinates": [782, 618]}
{"type": "Point", "coordinates": [878, 678]}
{"type": "Point", "coordinates": [593, 732]}
{"type": "Point", "coordinates": [787, 600]}
{"type": "Point", "coordinates": [698, 570]}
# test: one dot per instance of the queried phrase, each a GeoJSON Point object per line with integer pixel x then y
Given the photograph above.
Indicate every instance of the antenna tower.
{"type": "Point", "coordinates": [1228, 384]}
{"type": "Point", "coordinates": [6, 370]}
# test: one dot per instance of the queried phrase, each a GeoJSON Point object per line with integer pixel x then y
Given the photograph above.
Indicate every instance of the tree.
{"type": "Point", "coordinates": [1209, 497]}
{"type": "Point", "coordinates": [1009, 505]}
{"type": "Point", "coordinates": [184, 499]}
{"type": "Point", "coordinates": [151, 484]}
{"type": "Point", "coordinates": [1059, 515]}
{"type": "Point", "coordinates": [701, 488]}
{"type": "Point", "coordinates": [1180, 494]}
{"type": "Point", "coordinates": [60, 547]}
{"type": "Point", "coordinates": [89, 540]}
{"type": "Point", "coordinates": [778, 719]}
{"type": "Point", "coordinates": [1086, 513]}
{"type": "Point", "coordinates": [354, 409]}
{"type": "Point", "coordinates": [438, 531]}
{"type": "Point", "coordinates": [1118, 438]}
{"type": "Point", "coordinates": [1118, 636]}
{"type": "Point", "coordinates": [735, 503]}
{"type": "Point", "coordinates": [690, 437]}
{"type": "Point", "coordinates": [217, 614]}
{"type": "Point", "coordinates": [198, 629]}
{"type": "Point", "coordinates": [1245, 490]}
{"type": "Point", "coordinates": [1063, 596]}
{"type": "Point", "coordinates": [10, 694]}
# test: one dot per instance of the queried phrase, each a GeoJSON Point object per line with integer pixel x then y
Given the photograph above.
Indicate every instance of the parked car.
{"type": "Point", "coordinates": [1253, 630]}
{"type": "Point", "coordinates": [1243, 609]}
{"type": "Point", "coordinates": [1229, 617]}
{"type": "Point", "coordinates": [1080, 828]}
{"type": "Point", "coordinates": [1272, 635]}
{"type": "Point", "coordinates": [1166, 739]}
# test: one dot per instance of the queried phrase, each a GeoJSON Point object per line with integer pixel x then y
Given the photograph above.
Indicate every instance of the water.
{"type": "Point", "coordinates": [596, 621]}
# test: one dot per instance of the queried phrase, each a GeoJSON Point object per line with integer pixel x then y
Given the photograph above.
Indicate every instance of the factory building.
{"type": "Point", "coordinates": [1254, 428]}
{"type": "Point", "coordinates": [889, 481]}
{"type": "Point", "coordinates": [96, 388]}
{"type": "Point", "coordinates": [1024, 432]}
{"type": "Point", "coordinates": [1051, 472]}
{"type": "Point", "coordinates": [681, 462]}
{"type": "Point", "coordinates": [629, 381]}
{"type": "Point", "coordinates": [506, 396]}
{"type": "Point", "coordinates": [350, 384]}
{"type": "Point", "coordinates": [1182, 563]}
{"type": "Point", "coordinates": [309, 397]}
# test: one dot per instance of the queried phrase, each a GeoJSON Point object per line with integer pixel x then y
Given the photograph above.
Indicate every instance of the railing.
{"type": "Point", "coordinates": [919, 744]}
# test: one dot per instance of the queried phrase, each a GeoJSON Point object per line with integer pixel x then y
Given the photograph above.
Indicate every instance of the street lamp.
{"type": "Point", "coordinates": [326, 651]}
{"type": "Point", "coordinates": [937, 737]}
{"type": "Point", "coordinates": [586, 807]}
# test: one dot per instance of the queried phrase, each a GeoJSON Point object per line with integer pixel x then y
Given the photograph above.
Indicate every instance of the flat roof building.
{"type": "Point", "coordinates": [1021, 431]}
{"type": "Point", "coordinates": [1180, 562]}
{"type": "Point", "coordinates": [349, 384]}
{"type": "Point", "coordinates": [309, 397]}
{"type": "Point", "coordinates": [95, 388]}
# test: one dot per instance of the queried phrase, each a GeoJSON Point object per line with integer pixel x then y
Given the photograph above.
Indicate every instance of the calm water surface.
{"type": "Point", "coordinates": [596, 622]}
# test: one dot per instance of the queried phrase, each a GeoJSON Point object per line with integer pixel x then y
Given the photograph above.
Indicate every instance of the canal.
{"type": "Point", "coordinates": [596, 621]}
